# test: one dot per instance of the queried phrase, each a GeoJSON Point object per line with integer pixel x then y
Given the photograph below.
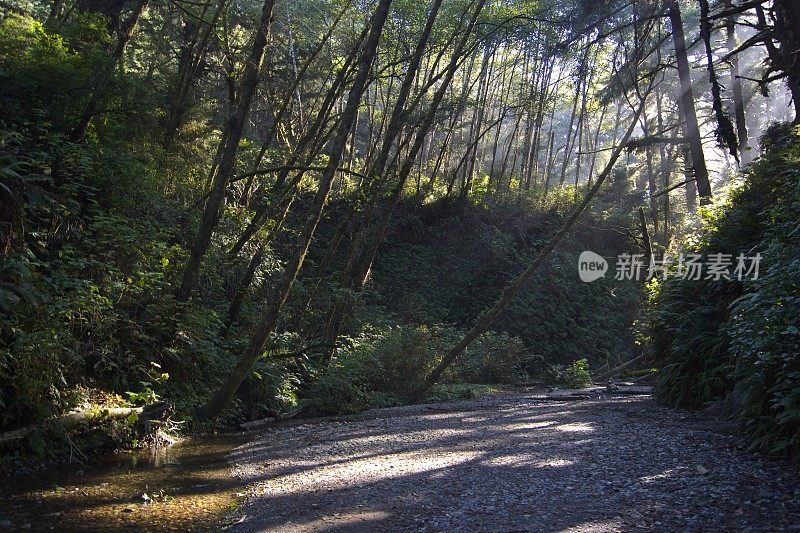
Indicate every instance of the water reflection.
{"type": "Point", "coordinates": [186, 487]}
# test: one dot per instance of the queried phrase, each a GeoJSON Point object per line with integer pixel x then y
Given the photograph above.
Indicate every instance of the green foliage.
{"type": "Point", "coordinates": [447, 392]}
{"type": "Point", "coordinates": [346, 386]}
{"type": "Point", "coordinates": [716, 336]}
{"type": "Point", "coordinates": [446, 263]}
{"type": "Point", "coordinates": [494, 358]}
{"type": "Point", "coordinates": [576, 375]}
{"type": "Point", "coordinates": [94, 233]}
{"type": "Point", "coordinates": [685, 335]}
{"type": "Point", "coordinates": [405, 356]}
{"type": "Point", "coordinates": [147, 395]}
{"type": "Point", "coordinates": [272, 388]}
{"type": "Point", "coordinates": [764, 327]}
{"type": "Point", "coordinates": [85, 296]}
{"type": "Point", "coordinates": [42, 72]}
{"type": "Point", "coordinates": [379, 371]}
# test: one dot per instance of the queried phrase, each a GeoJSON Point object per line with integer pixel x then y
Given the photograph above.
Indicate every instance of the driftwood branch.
{"type": "Point", "coordinates": [255, 424]}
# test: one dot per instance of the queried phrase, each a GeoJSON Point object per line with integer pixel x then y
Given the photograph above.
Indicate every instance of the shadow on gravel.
{"type": "Point", "coordinates": [512, 464]}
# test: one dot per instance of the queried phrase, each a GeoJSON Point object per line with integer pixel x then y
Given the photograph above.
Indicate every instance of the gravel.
{"type": "Point", "coordinates": [513, 462]}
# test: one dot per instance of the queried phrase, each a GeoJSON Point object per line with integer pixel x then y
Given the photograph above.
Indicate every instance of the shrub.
{"type": "Point", "coordinates": [404, 356]}
{"type": "Point", "coordinates": [346, 386]}
{"type": "Point", "coordinates": [494, 358]}
{"type": "Point", "coordinates": [445, 392]}
{"type": "Point", "coordinates": [445, 262]}
{"type": "Point", "coordinates": [576, 375]}
{"type": "Point", "coordinates": [378, 371]}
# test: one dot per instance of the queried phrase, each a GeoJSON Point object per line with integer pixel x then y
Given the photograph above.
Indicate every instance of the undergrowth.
{"type": "Point", "coordinates": [728, 337]}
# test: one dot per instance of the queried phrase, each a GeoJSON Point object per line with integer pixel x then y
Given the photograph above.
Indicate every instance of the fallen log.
{"type": "Point", "coordinates": [91, 416]}
{"type": "Point", "coordinates": [650, 377]}
{"type": "Point", "coordinates": [279, 417]}
{"type": "Point", "coordinates": [255, 424]}
{"type": "Point", "coordinates": [620, 369]}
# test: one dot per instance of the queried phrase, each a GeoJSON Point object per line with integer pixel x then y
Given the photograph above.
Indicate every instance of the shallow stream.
{"type": "Point", "coordinates": [185, 487]}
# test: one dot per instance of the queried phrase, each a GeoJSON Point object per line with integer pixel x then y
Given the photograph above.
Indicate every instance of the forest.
{"type": "Point", "coordinates": [214, 212]}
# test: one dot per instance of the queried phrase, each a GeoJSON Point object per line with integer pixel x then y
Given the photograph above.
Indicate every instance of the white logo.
{"type": "Point", "coordinates": [591, 266]}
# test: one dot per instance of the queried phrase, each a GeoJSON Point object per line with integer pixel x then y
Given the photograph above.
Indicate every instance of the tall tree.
{"type": "Point", "coordinates": [124, 33]}
{"type": "Point", "coordinates": [197, 35]}
{"type": "Point", "coordinates": [284, 286]}
{"type": "Point", "coordinates": [736, 89]}
{"type": "Point", "coordinates": [366, 243]}
{"type": "Point", "coordinates": [227, 153]}
{"type": "Point", "coordinates": [686, 102]}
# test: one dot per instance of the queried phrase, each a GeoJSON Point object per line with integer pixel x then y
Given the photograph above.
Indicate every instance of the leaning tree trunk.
{"type": "Point", "coordinates": [379, 165]}
{"type": "Point", "coordinates": [485, 321]}
{"type": "Point", "coordinates": [686, 102]}
{"type": "Point", "coordinates": [334, 152]}
{"type": "Point", "coordinates": [227, 160]}
{"type": "Point", "coordinates": [312, 140]}
{"type": "Point", "coordinates": [241, 291]}
{"type": "Point", "coordinates": [269, 136]}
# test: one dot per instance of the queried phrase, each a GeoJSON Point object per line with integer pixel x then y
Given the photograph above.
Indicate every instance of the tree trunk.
{"type": "Point", "coordinates": [363, 252]}
{"type": "Point", "coordinates": [312, 140]}
{"type": "Point", "coordinates": [787, 32]}
{"type": "Point", "coordinates": [686, 103]}
{"type": "Point", "coordinates": [665, 167]}
{"type": "Point", "coordinates": [378, 166]}
{"type": "Point", "coordinates": [111, 9]}
{"type": "Point", "coordinates": [477, 123]}
{"type": "Point", "coordinates": [227, 162]}
{"type": "Point", "coordinates": [193, 50]}
{"type": "Point", "coordinates": [241, 291]}
{"type": "Point", "coordinates": [648, 245]}
{"type": "Point", "coordinates": [549, 162]}
{"type": "Point", "coordinates": [568, 145]}
{"type": "Point", "coordinates": [736, 88]}
{"type": "Point", "coordinates": [688, 174]}
{"type": "Point", "coordinates": [269, 136]}
{"type": "Point", "coordinates": [226, 392]}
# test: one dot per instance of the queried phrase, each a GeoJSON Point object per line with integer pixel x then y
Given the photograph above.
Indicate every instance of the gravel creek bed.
{"type": "Point", "coordinates": [513, 462]}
